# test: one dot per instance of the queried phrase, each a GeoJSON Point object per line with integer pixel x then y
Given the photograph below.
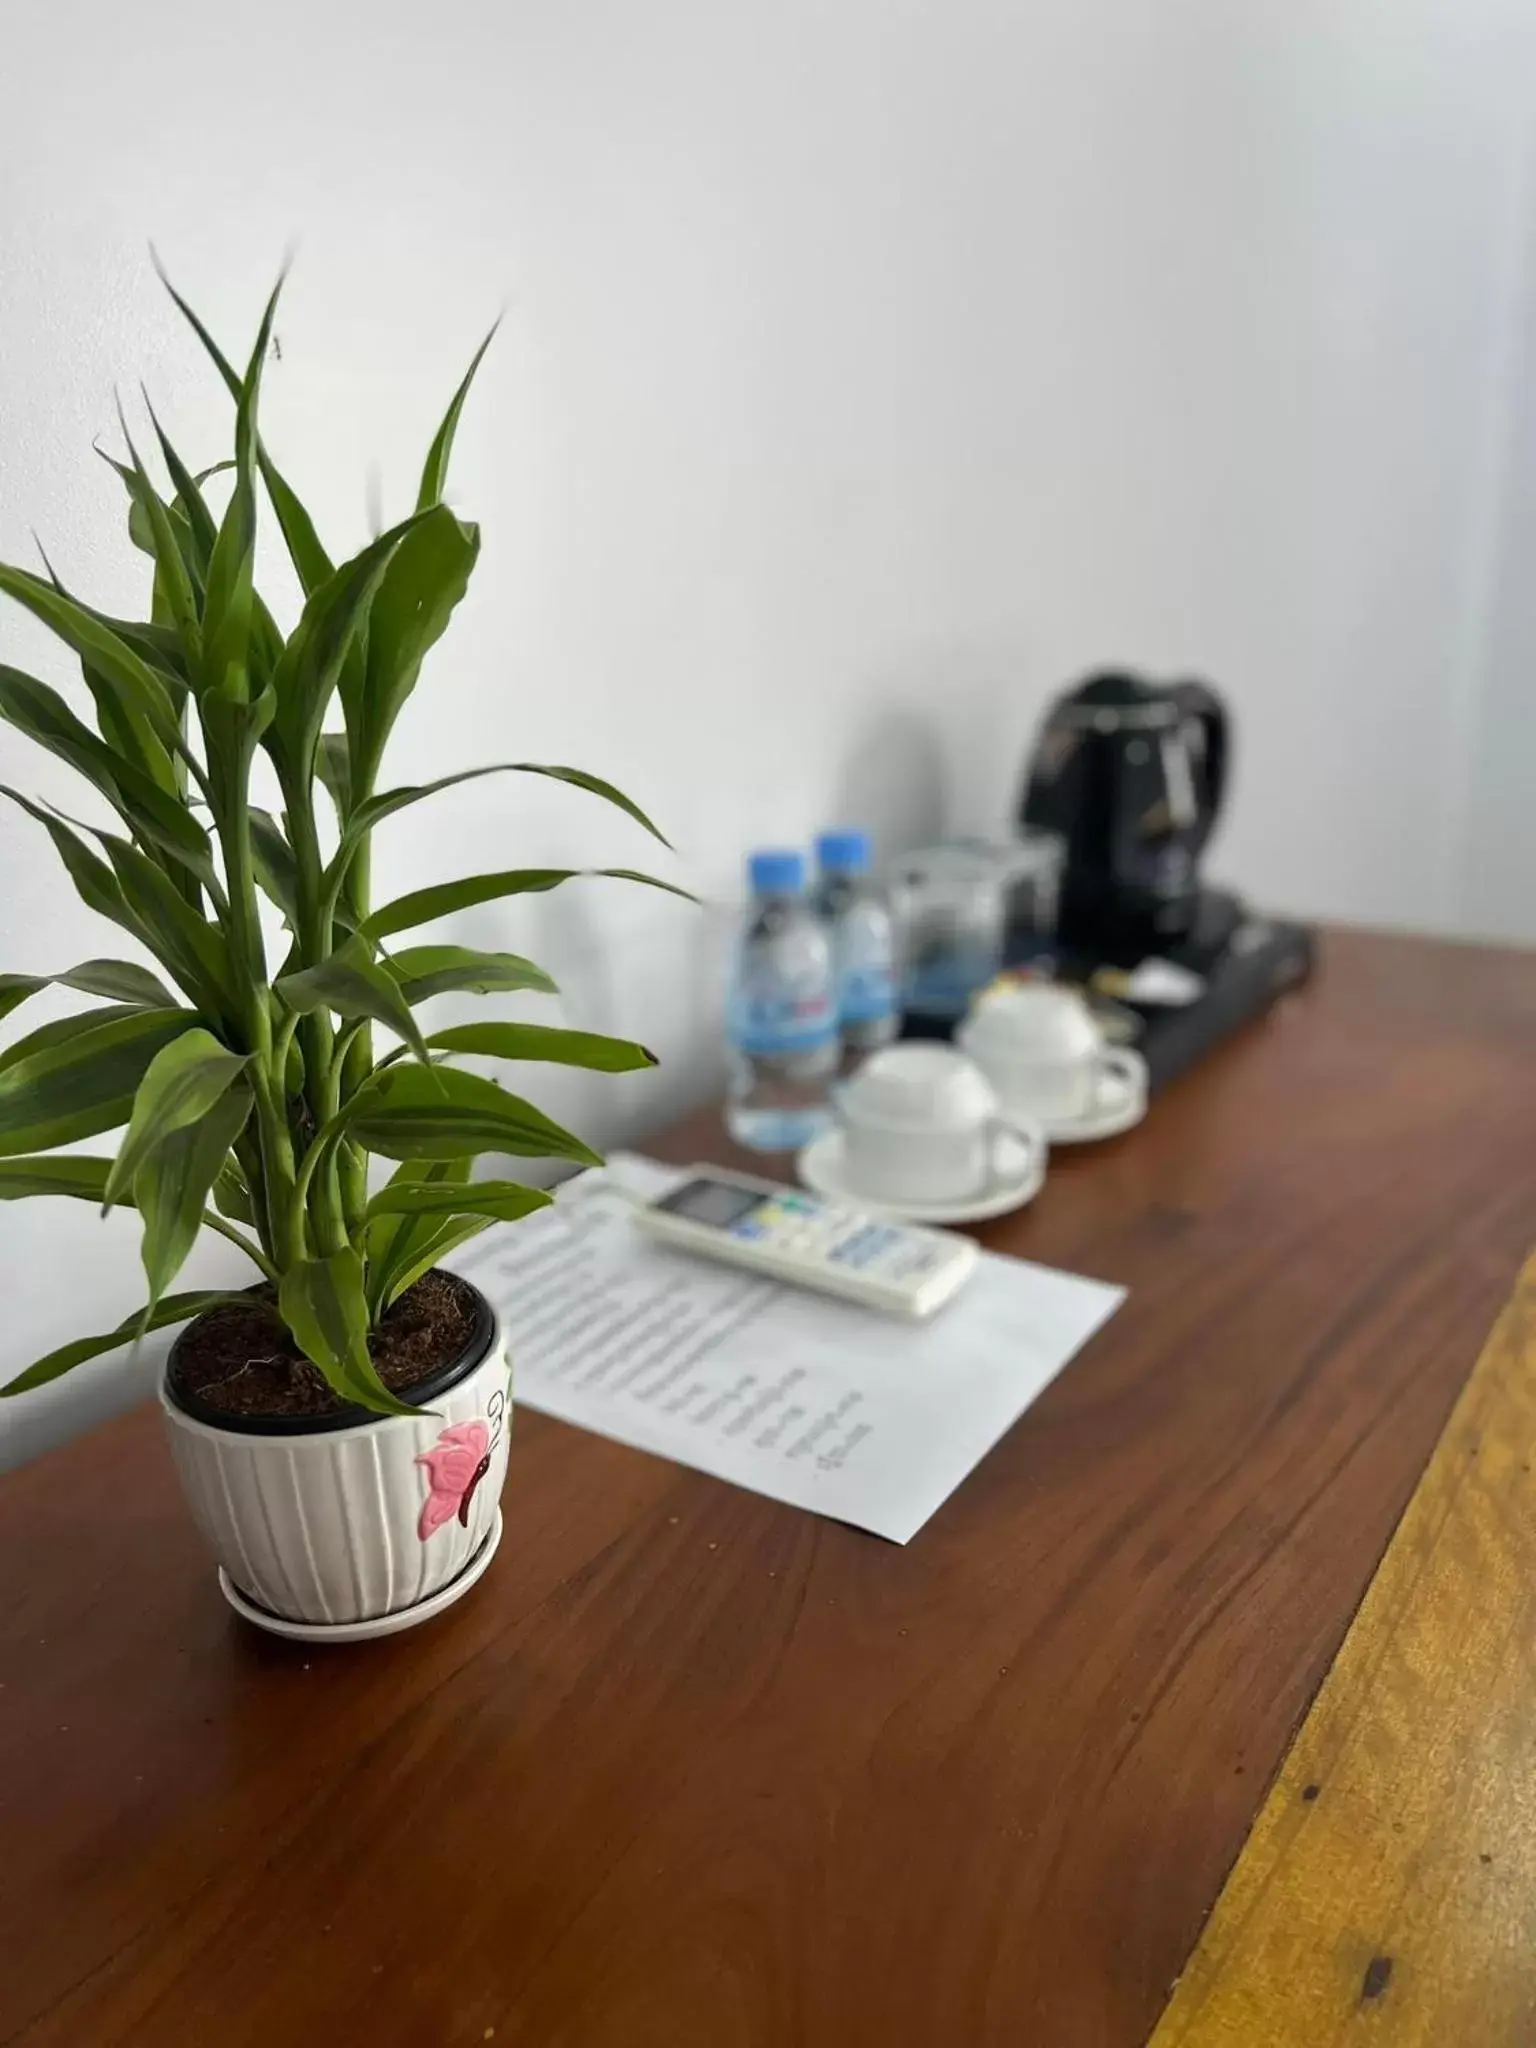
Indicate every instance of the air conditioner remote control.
{"type": "Point", "coordinates": [899, 1268]}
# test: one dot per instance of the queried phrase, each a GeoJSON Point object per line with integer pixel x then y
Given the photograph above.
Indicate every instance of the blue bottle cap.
{"type": "Point", "coordinates": [776, 873]}
{"type": "Point", "coordinates": [843, 853]}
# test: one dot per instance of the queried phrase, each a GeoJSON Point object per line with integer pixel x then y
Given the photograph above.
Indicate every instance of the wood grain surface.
{"type": "Point", "coordinates": [692, 1769]}
{"type": "Point", "coordinates": [1391, 1875]}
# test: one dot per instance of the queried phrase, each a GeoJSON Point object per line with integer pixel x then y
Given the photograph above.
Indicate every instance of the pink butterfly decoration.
{"type": "Point", "coordinates": [456, 1464]}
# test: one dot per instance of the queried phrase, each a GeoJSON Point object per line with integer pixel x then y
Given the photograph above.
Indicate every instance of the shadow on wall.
{"type": "Point", "coordinates": [636, 964]}
{"type": "Point", "coordinates": [892, 783]}
{"type": "Point", "coordinates": [945, 759]}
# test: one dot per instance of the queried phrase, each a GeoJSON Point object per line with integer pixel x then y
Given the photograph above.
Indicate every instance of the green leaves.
{"type": "Point", "coordinates": [93, 879]}
{"type": "Point", "coordinates": [353, 986]}
{"type": "Point", "coordinates": [311, 563]}
{"type": "Point", "coordinates": [78, 1076]}
{"type": "Point", "coordinates": [500, 1041]}
{"type": "Point", "coordinates": [181, 1084]}
{"type": "Point", "coordinates": [140, 690]}
{"type": "Point", "coordinates": [439, 1240]}
{"type": "Point", "coordinates": [309, 557]}
{"type": "Point", "coordinates": [311, 665]}
{"type": "Point", "coordinates": [141, 531]}
{"type": "Point", "coordinates": [172, 1185]}
{"type": "Point", "coordinates": [502, 1200]}
{"type": "Point", "coordinates": [422, 905]}
{"type": "Point", "coordinates": [276, 870]}
{"type": "Point", "coordinates": [62, 1029]}
{"type": "Point", "coordinates": [151, 812]}
{"type": "Point", "coordinates": [333, 767]}
{"type": "Point", "coordinates": [176, 1308]}
{"type": "Point", "coordinates": [425, 580]}
{"type": "Point", "coordinates": [185, 943]}
{"type": "Point", "coordinates": [595, 786]}
{"type": "Point", "coordinates": [189, 504]}
{"type": "Point", "coordinates": [410, 1112]}
{"type": "Point", "coordinates": [251, 1102]}
{"type": "Point", "coordinates": [427, 575]}
{"type": "Point", "coordinates": [375, 809]}
{"type": "Point", "coordinates": [229, 603]}
{"type": "Point", "coordinates": [232, 1195]}
{"type": "Point", "coordinates": [392, 1240]}
{"type": "Point", "coordinates": [323, 1303]}
{"type": "Point", "coordinates": [73, 1174]}
{"type": "Point", "coordinates": [424, 971]}
{"type": "Point", "coordinates": [120, 981]}
{"type": "Point", "coordinates": [173, 549]}
{"type": "Point", "coordinates": [419, 1218]}
{"type": "Point", "coordinates": [189, 1108]}
{"type": "Point", "coordinates": [435, 475]}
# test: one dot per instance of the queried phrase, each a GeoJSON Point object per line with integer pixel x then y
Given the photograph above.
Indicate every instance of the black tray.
{"type": "Point", "coordinates": [1257, 961]}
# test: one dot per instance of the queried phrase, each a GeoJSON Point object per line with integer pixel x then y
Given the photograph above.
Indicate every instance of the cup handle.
{"type": "Point", "coordinates": [1026, 1128]}
{"type": "Point", "coordinates": [1118, 1062]}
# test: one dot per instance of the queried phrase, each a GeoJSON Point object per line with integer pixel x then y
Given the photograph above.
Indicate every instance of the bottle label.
{"type": "Point", "coordinates": [781, 1019]}
{"type": "Point", "coordinates": [866, 992]}
{"type": "Point", "coordinates": [867, 996]}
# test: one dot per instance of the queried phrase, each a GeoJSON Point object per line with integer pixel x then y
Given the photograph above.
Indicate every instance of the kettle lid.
{"type": "Point", "coordinates": [1115, 699]}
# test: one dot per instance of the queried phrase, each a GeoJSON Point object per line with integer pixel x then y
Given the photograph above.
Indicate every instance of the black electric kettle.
{"type": "Point", "coordinates": [1130, 774]}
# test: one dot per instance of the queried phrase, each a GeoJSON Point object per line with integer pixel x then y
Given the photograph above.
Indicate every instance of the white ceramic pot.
{"type": "Point", "coordinates": [351, 1523]}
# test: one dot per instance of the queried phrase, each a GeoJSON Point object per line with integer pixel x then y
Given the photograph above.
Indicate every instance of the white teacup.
{"type": "Point", "coordinates": [920, 1124]}
{"type": "Point", "coordinates": [1044, 1053]}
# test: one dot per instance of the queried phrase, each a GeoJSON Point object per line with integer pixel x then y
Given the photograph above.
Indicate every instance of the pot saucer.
{"type": "Point", "coordinates": [1018, 1170]}
{"type": "Point", "coordinates": [380, 1624]}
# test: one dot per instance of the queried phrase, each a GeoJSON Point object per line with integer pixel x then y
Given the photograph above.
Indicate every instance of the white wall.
{"type": "Point", "coordinates": [869, 370]}
{"type": "Point", "coordinates": [1496, 857]}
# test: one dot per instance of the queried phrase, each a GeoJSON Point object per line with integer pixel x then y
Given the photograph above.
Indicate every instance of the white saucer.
{"type": "Point", "coordinates": [381, 1624]}
{"type": "Point", "coordinates": [1121, 1105]}
{"type": "Point", "coordinates": [1018, 1171]}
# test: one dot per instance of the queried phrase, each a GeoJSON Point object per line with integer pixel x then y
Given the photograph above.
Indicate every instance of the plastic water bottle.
{"type": "Point", "coordinates": [863, 935]}
{"type": "Point", "coordinates": [782, 1015]}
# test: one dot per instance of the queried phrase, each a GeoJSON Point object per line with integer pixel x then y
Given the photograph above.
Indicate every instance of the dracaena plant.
{"type": "Point", "coordinates": [249, 1081]}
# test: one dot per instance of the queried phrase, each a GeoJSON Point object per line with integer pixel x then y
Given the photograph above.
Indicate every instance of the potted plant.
{"type": "Point", "coordinates": [341, 1427]}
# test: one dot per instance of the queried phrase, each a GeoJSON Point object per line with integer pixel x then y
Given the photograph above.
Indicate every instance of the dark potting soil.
{"type": "Point", "coordinates": [239, 1358]}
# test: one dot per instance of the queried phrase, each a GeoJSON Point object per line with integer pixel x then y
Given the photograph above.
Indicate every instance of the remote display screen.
{"type": "Point", "coordinates": [718, 1203]}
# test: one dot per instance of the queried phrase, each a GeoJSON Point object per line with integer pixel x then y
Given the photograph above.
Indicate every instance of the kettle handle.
{"type": "Point", "coordinates": [1198, 701]}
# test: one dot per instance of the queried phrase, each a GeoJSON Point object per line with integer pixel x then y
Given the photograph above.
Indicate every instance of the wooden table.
{"type": "Point", "coordinates": [694, 1770]}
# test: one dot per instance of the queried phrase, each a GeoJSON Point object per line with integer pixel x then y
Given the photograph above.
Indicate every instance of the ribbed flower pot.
{"type": "Point", "coordinates": [351, 1522]}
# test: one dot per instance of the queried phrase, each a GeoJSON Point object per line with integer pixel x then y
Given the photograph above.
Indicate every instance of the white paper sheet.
{"type": "Point", "coordinates": [796, 1395]}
